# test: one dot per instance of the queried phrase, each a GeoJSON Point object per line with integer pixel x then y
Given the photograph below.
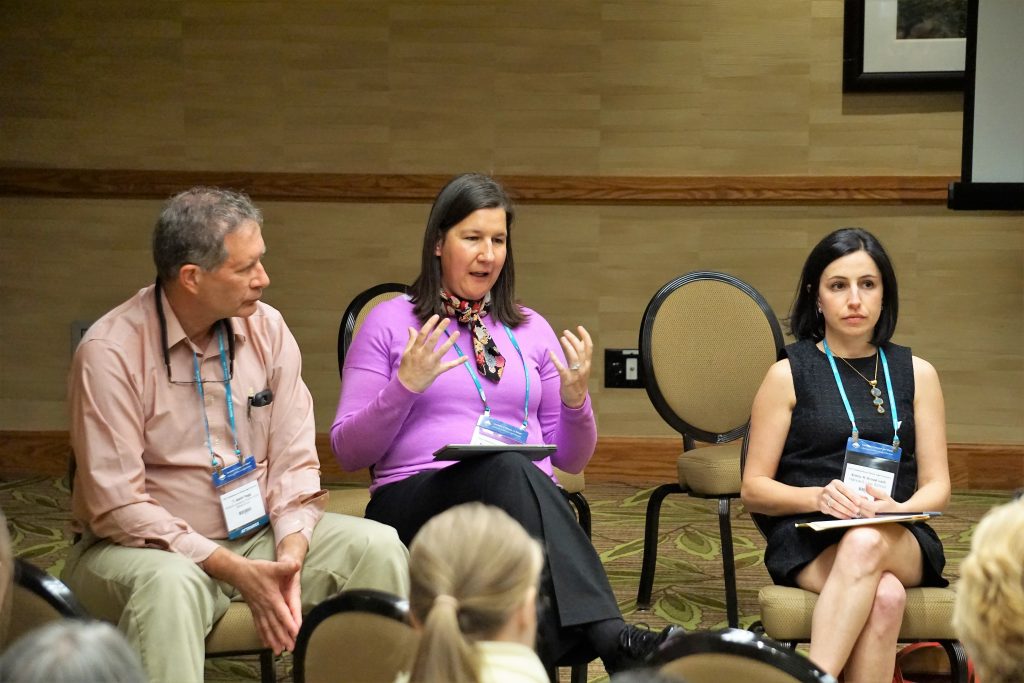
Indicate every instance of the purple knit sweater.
{"type": "Point", "coordinates": [380, 422]}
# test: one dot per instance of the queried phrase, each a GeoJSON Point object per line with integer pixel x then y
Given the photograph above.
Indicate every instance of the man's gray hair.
{"type": "Point", "coordinates": [71, 650]}
{"type": "Point", "coordinates": [192, 228]}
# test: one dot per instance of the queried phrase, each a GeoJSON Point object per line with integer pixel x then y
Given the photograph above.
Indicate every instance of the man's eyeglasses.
{"type": "Point", "coordinates": [194, 381]}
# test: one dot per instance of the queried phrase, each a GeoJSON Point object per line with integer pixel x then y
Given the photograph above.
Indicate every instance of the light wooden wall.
{"type": "Point", "coordinates": [556, 88]}
{"type": "Point", "coordinates": [961, 281]}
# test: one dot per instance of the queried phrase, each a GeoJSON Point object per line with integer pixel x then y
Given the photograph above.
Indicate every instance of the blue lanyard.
{"type": "Point", "coordinates": [227, 398]}
{"type": "Point", "coordinates": [846, 401]}
{"type": "Point", "coordinates": [480, 388]}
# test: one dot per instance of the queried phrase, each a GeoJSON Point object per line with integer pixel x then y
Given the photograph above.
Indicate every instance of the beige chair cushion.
{"type": "Point", "coordinates": [724, 668]}
{"type": "Point", "coordinates": [234, 632]}
{"type": "Point", "coordinates": [374, 648]}
{"type": "Point", "coordinates": [572, 483]}
{"type": "Point", "coordinates": [349, 501]}
{"type": "Point", "coordinates": [711, 470]}
{"type": "Point", "coordinates": [786, 613]}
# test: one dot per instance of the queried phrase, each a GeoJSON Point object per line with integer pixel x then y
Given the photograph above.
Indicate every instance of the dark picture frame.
{"type": "Point", "coordinates": [874, 59]}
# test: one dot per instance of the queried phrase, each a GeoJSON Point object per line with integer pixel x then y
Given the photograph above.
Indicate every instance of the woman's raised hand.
{"type": "Point", "coordinates": [421, 360]}
{"type": "Point", "coordinates": [575, 378]}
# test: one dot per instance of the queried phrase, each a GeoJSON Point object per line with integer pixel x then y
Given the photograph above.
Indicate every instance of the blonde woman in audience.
{"type": "Point", "coordinates": [989, 612]}
{"type": "Point", "coordinates": [473, 597]}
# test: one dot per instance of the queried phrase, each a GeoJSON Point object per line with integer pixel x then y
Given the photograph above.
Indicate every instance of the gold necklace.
{"type": "Point", "coordinates": [876, 393]}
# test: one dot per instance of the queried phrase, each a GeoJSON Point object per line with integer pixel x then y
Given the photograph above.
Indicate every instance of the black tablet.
{"type": "Point", "coordinates": [464, 451]}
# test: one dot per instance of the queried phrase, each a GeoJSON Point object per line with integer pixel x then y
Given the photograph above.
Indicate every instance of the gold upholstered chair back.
{"type": "Point", "coordinates": [735, 655]}
{"type": "Point", "coordinates": [706, 341]}
{"type": "Point", "coordinates": [359, 635]}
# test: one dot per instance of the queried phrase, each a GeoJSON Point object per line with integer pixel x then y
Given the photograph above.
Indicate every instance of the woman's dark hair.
{"type": "Point", "coordinates": [805, 322]}
{"type": "Point", "coordinates": [462, 196]}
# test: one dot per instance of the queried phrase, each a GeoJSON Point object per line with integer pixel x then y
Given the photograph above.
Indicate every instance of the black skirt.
{"type": "Point", "coordinates": [790, 549]}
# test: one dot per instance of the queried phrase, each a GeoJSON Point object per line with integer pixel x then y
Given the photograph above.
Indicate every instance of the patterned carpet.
{"type": "Point", "coordinates": [687, 588]}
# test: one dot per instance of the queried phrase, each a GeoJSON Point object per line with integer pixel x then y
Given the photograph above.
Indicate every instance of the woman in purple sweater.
{"type": "Point", "coordinates": [457, 360]}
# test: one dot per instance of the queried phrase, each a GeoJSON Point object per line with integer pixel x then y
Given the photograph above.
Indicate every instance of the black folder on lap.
{"type": "Point", "coordinates": [464, 451]}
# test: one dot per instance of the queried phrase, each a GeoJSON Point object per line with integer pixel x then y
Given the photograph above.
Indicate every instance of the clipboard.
{"type": "Point", "coordinates": [881, 518]}
{"type": "Point", "coordinates": [465, 451]}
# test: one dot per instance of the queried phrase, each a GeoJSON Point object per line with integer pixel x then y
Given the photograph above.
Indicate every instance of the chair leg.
{"type": "Point", "coordinates": [728, 563]}
{"type": "Point", "coordinates": [267, 672]}
{"type": "Point", "coordinates": [579, 673]}
{"type": "Point", "coordinates": [650, 558]}
{"type": "Point", "coordinates": [582, 511]}
{"type": "Point", "coordinates": [957, 660]}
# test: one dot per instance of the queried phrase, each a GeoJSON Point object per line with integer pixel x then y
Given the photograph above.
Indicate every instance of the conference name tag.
{"type": "Point", "coordinates": [492, 432]}
{"type": "Point", "coordinates": [243, 510]}
{"type": "Point", "coordinates": [871, 463]}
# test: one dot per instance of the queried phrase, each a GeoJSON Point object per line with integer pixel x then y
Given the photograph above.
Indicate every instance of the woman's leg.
{"type": "Point", "coordinates": [874, 654]}
{"type": "Point", "coordinates": [578, 608]}
{"type": "Point", "coordinates": [848, 576]}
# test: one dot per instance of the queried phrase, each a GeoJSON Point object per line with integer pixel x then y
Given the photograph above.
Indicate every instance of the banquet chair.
{"type": "Point", "coordinates": [234, 634]}
{"type": "Point", "coordinates": [570, 485]}
{"type": "Point", "coordinates": [706, 341]}
{"type": "Point", "coordinates": [372, 629]}
{"type": "Point", "coordinates": [786, 614]}
{"type": "Point", "coordinates": [734, 655]}
{"type": "Point", "coordinates": [38, 598]}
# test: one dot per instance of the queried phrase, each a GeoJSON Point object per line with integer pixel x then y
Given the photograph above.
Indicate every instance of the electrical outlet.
{"type": "Point", "coordinates": [78, 328]}
{"type": "Point", "coordinates": [622, 369]}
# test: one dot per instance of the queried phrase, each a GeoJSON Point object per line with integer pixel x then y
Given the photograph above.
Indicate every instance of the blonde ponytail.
{"type": "Point", "coordinates": [471, 567]}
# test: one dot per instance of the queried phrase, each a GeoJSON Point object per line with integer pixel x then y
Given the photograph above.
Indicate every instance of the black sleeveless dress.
{"type": "Point", "coordinates": [816, 446]}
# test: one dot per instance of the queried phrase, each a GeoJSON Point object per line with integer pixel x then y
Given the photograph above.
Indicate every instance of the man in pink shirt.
{"type": "Point", "coordinates": [198, 479]}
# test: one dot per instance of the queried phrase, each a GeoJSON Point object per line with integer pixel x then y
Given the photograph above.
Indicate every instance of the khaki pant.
{"type": "Point", "coordinates": [166, 605]}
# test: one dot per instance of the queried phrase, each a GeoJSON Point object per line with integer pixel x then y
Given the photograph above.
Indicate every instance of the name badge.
{"type": "Point", "coordinates": [869, 462]}
{"type": "Point", "coordinates": [492, 432]}
{"type": "Point", "coordinates": [244, 510]}
{"type": "Point", "coordinates": [230, 473]}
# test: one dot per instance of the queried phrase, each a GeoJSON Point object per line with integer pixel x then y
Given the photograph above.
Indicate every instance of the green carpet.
{"type": "Point", "coordinates": [687, 588]}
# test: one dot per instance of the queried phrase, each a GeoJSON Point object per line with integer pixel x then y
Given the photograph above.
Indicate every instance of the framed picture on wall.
{"type": "Point", "coordinates": [904, 44]}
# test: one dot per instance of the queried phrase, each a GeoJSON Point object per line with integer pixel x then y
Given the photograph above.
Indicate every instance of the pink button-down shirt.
{"type": "Point", "coordinates": [143, 477]}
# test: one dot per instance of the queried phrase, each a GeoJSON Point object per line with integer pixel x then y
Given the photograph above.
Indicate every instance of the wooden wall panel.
{"type": "Point", "coordinates": [554, 87]}
{"type": "Point", "coordinates": [615, 121]}
{"type": "Point", "coordinates": [961, 279]}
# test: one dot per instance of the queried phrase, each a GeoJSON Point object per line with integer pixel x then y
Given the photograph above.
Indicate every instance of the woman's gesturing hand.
{"type": "Point", "coordinates": [575, 378]}
{"type": "Point", "coordinates": [421, 360]}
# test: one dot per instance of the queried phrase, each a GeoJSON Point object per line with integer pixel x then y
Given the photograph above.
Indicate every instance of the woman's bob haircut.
{"type": "Point", "coordinates": [804, 320]}
{"type": "Point", "coordinates": [463, 195]}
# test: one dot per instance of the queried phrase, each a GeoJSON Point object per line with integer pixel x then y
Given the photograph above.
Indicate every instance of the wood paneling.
{"type": "Point", "coordinates": [640, 461]}
{"type": "Point", "coordinates": [342, 187]}
{"type": "Point", "coordinates": [659, 88]}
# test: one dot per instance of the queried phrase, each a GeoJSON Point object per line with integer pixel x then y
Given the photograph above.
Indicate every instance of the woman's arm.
{"type": "Point", "coordinates": [933, 486]}
{"type": "Point", "coordinates": [770, 419]}
{"type": "Point", "coordinates": [376, 396]}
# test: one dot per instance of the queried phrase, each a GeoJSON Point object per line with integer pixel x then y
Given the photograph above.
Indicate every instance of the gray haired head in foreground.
{"type": "Point", "coordinates": [71, 650]}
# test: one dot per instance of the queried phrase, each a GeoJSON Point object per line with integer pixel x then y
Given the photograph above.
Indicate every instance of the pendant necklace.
{"type": "Point", "coordinates": [876, 393]}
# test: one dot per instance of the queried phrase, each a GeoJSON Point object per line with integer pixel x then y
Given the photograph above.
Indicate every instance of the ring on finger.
{"type": "Point", "coordinates": [574, 367]}
{"type": "Point", "coordinates": [828, 501]}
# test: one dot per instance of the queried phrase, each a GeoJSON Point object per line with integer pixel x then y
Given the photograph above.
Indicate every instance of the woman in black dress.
{"type": "Point", "coordinates": [843, 382]}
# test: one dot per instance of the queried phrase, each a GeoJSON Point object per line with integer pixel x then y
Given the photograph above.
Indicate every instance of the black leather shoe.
{"type": "Point", "coordinates": [637, 646]}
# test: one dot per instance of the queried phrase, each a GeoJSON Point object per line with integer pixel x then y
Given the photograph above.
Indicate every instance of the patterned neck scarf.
{"type": "Point", "coordinates": [488, 359]}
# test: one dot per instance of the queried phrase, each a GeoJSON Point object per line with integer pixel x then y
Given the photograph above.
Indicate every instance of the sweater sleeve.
{"type": "Point", "coordinates": [374, 404]}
